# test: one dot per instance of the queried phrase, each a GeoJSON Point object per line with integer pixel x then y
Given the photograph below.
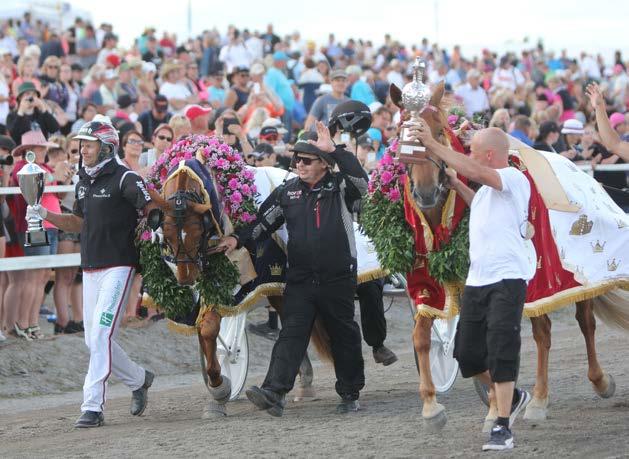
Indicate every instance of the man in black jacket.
{"type": "Point", "coordinates": [32, 114]}
{"type": "Point", "coordinates": [321, 273]}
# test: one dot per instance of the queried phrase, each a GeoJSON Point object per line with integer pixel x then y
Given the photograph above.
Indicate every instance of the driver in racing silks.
{"type": "Point", "coordinates": [109, 198]}
{"type": "Point", "coordinates": [321, 269]}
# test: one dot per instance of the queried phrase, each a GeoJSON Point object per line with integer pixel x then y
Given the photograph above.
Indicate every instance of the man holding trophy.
{"type": "Point", "coordinates": [108, 199]}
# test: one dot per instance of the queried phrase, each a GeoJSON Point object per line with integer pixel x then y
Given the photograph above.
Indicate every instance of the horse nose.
{"type": "Point", "coordinates": [187, 273]}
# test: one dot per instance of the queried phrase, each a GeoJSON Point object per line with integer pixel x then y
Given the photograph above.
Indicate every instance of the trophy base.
{"type": "Point", "coordinates": [412, 154]}
{"type": "Point", "coordinates": [37, 238]}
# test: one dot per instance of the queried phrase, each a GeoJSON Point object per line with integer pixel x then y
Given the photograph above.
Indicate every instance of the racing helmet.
{"type": "Point", "coordinates": [101, 128]}
{"type": "Point", "coordinates": [350, 116]}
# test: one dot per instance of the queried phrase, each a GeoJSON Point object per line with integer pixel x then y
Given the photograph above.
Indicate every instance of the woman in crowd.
{"type": "Point", "coordinates": [26, 72]}
{"type": "Point", "coordinates": [547, 137]}
{"type": "Point", "coordinates": [501, 119]}
{"type": "Point", "coordinates": [56, 91]}
{"type": "Point", "coordinates": [181, 126]}
{"type": "Point", "coordinates": [65, 294]}
{"type": "Point", "coordinates": [569, 143]}
{"type": "Point", "coordinates": [74, 94]}
{"type": "Point", "coordinates": [162, 138]}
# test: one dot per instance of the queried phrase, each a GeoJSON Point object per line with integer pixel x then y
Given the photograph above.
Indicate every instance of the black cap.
{"type": "Point", "coordinates": [268, 130]}
{"type": "Point", "coordinates": [263, 148]}
{"type": "Point", "coordinates": [240, 69]}
{"type": "Point", "coordinates": [7, 142]}
{"type": "Point", "coordinates": [125, 100]}
{"type": "Point", "coordinates": [302, 146]}
{"type": "Point", "coordinates": [110, 36]}
{"type": "Point", "coordinates": [76, 67]}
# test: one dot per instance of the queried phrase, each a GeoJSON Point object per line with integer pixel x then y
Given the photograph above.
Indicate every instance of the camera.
{"type": "Point", "coordinates": [6, 161]}
{"type": "Point", "coordinates": [228, 122]}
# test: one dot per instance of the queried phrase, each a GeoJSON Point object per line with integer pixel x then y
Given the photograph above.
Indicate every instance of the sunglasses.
{"type": "Point", "coordinates": [53, 66]}
{"type": "Point", "coordinates": [163, 137]}
{"type": "Point", "coordinates": [306, 161]}
{"type": "Point", "coordinates": [135, 142]}
{"type": "Point", "coordinates": [271, 137]}
{"type": "Point", "coordinates": [390, 128]}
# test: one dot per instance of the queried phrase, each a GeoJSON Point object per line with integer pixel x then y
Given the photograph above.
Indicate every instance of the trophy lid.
{"type": "Point", "coordinates": [31, 167]}
{"type": "Point", "coordinates": [416, 95]}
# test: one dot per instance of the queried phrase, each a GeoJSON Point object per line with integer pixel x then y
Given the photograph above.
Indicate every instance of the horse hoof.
{"type": "Point", "coordinates": [437, 421]}
{"type": "Point", "coordinates": [611, 388]}
{"type": "Point", "coordinates": [488, 424]}
{"type": "Point", "coordinates": [221, 393]}
{"type": "Point", "coordinates": [214, 410]}
{"type": "Point", "coordinates": [305, 394]}
{"type": "Point", "coordinates": [536, 411]}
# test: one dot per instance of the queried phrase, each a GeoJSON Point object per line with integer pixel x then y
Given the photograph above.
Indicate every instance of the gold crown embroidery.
{"type": "Point", "coordinates": [425, 293]}
{"type": "Point", "coordinates": [621, 224]}
{"type": "Point", "coordinates": [598, 248]}
{"type": "Point", "coordinates": [276, 270]}
{"type": "Point", "coordinates": [581, 226]}
{"type": "Point", "coordinates": [612, 265]}
{"type": "Point", "coordinates": [579, 271]}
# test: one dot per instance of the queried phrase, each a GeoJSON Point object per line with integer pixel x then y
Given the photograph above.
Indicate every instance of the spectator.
{"type": "Point", "coordinates": [238, 94]}
{"type": "Point", "coordinates": [26, 71]}
{"type": "Point", "coordinates": [125, 83]}
{"type": "Point", "coordinates": [277, 82]}
{"type": "Point", "coordinates": [154, 117]}
{"type": "Point", "coordinates": [235, 54]}
{"type": "Point", "coordinates": [507, 76]}
{"type": "Point", "coordinates": [162, 139]}
{"type": "Point", "coordinates": [88, 48]}
{"type": "Point", "coordinates": [381, 130]}
{"type": "Point", "coordinates": [309, 81]}
{"type": "Point", "coordinates": [359, 88]}
{"type": "Point", "coordinates": [521, 129]}
{"type": "Point", "coordinates": [87, 114]}
{"type": "Point", "coordinates": [199, 118]}
{"type": "Point", "coordinates": [5, 97]}
{"type": "Point", "coordinates": [32, 114]}
{"type": "Point", "coordinates": [472, 95]}
{"type": "Point", "coordinates": [55, 90]}
{"type": "Point", "coordinates": [181, 126]}
{"type": "Point", "coordinates": [501, 119]}
{"type": "Point", "coordinates": [228, 125]}
{"type": "Point", "coordinates": [177, 93]}
{"type": "Point", "coordinates": [570, 141]}
{"type": "Point", "coordinates": [110, 41]}
{"type": "Point", "coordinates": [147, 86]}
{"type": "Point", "coordinates": [73, 91]}
{"type": "Point", "coordinates": [324, 105]}
{"type": "Point", "coordinates": [262, 155]}
{"type": "Point", "coordinates": [215, 91]}
{"type": "Point", "coordinates": [547, 137]}
{"type": "Point", "coordinates": [619, 124]}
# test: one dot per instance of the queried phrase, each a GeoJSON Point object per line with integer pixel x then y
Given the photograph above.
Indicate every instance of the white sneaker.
{"type": "Point", "coordinates": [2, 337]}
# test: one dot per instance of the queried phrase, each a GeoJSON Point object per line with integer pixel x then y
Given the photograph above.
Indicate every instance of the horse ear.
{"type": "Point", "coordinates": [395, 94]}
{"type": "Point", "coordinates": [437, 94]}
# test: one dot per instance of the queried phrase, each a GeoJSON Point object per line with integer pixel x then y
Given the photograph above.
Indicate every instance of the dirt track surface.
{"type": "Point", "coordinates": [580, 424]}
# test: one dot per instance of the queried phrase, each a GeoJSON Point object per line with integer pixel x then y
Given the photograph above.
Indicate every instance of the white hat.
{"type": "Point", "coordinates": [276, 123]}
{"type": "Point", "coordinates": [375, 106]}
{"type": "Point", "coordinates": [148, 67]}
{"type": "Point", "coordinates": [257, 69]}
{"type": "Point", "coordinates": [572, 126]}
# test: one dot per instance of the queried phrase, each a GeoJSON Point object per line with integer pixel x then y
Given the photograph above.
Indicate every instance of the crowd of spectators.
{"type": "Point", "coordinates": [257, 90]}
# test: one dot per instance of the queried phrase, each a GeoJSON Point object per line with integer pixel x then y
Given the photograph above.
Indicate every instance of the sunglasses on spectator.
{"type": "Point", "coordinates": [306, 161]}
{"type": "Point", "coordinates": [271, 137]}
{"type": "Point", "coordinates": [390, 128]}
{"type": "Point", "coordinates": [163, 137]}
{"type": "Point", "coordinates": [53, 66]}
{"type": "Point", "coordinates": [135, 142]}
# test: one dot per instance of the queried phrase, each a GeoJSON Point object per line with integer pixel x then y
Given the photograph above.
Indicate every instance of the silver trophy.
{"type": "Point", "coordinates": [415, 97]}
{"type": "Point", "coordinates": [31, 179]}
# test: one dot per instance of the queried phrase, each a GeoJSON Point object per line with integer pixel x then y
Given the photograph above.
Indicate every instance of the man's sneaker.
{"type": "Point", "coordinates": [523, 400]}
{"type": "Point", "coordinates": [500, 439]}
{"type": "Point", "coordinates": [348, 405]}
{"type": "Point", "coordinates": [139, 397]}
{"type": "Point", "coordinates": [90, 419]}
{"type": "Point", "coordinates": [384, 355]}
{"type": "Point", "coordinates": [263, 329]}
{"type": "Point", "coordinates": [267, 400]}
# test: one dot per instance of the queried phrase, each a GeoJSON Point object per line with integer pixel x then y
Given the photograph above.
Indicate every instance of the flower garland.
{"type": "Point", "coordinates": [382, 217]}
{"type": "Point", "coordinates": [219, 278]}
{"type": "Point", "coordinates": [383, 220]}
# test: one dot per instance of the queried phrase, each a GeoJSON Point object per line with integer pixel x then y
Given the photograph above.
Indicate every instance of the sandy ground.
{"type": "Point", "coordinates": [39, 401]}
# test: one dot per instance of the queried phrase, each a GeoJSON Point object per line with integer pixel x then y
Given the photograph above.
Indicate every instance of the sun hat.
{"type": "Point", "coordinates": [616, 118]}
{"type": "Point", "coordinates": [572, 126]}
{"type": "Point", "coordinates": [32, 139]}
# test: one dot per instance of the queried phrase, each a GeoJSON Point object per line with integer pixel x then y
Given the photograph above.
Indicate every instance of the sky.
{"type": "Point", "coordinates": [498, 24]}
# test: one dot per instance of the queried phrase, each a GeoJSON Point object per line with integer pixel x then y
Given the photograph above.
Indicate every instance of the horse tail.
{"type": "Point", "coordinates": [321, 341]}
{"type": "Point", "coordinates": [613, 309]}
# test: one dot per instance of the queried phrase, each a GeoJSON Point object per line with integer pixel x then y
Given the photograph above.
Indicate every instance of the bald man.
{"type": "Point", "coordinates": [502, 261]}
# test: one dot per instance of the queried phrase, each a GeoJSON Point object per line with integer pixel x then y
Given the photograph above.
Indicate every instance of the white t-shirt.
{"type": "Point", "coordinates": [475, 100]}
{"type": "Point", "coordinates": [174, 91]}
{"type": "Point", "coordinates": [497, 222]}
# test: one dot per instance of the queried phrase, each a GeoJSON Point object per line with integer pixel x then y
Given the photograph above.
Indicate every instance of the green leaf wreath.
{"type": "Point", "coordinates": [451, 262]}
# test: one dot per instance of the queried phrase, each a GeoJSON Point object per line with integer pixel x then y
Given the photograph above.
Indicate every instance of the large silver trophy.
{"type": "Point", "coordinates": [31, 179]}
{"type": "Point", "coordinates": [415, 97]}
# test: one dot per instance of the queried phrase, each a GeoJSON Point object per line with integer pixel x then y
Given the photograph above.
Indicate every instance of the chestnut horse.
{"type": "Point", "coordinates": [428, 185]}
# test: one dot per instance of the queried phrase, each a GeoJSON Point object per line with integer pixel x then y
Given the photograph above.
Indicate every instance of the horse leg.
{"type": "Point", "coordinates": [218, 385]}
{"type": "Point", "coordinates": [603, 384]}
{"type": "Point", "coordinates": [538, 408]}
{"type": "Point", "coordinates": [433, 413]}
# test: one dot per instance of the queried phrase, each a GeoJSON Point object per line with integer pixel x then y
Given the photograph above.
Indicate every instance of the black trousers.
{"type": "Point", "coordinates": [372, 319]}
{"type": "Point", "coordinates": [334, 303]}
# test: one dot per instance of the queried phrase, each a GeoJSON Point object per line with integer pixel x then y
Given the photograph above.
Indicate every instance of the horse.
{"type": "Point", "coordinates": [428, 184]}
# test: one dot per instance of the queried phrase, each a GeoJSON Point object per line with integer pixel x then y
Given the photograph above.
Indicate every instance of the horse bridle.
{"type": "Point", "coordinates": [180, 206]}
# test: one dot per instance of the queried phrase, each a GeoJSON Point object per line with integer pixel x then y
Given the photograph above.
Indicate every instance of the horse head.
{"type": "Point", "coordinates": [185, 217]}
{"type": "Point", "coordinates": [427, 174]}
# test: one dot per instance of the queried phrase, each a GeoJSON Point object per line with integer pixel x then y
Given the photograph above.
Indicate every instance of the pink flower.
{"type": "Point", "coordinates": [386, 160]}
{"type": "Point", "coordinates": [150, 186]}
{"type": "Point", "coordinates": [245, 190]}
{"type": "Point", "coordinates": [254, 189]}
{"type": "Point", "coordinates": [233, 184]}
{"type": "Point", "coordinates": [236, 197]}
{"type": "Point", "coordinates": [394, 195]}
{"type": "Point", "coordinates": [187, 155]}
{"type": "Point", "coordinates": [248, 174]}
{"type": "Point", "coordinates": [402, 179]}
{"type": "Point", "coordinates": [145, 236]}
{"type": "Point", "coordinates": [386, 177]}
{"type": "Point", "coordinates": [371, 187]}
{"type": "Point", "coordinates": [452, 119]}
{"type": "Point", "coordinates": [224, 148]}
{"type": "Point", "coordinates": [221, 163]}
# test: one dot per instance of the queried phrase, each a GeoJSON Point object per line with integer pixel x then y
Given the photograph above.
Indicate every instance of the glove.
{"type": "Point", "coordinates": [36, 212]}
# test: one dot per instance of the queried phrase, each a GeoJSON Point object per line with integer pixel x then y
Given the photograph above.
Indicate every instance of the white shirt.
{"type": "Point", "coordinates": [497, 221]}
{"type": "Point", "coordinates": [236, 55]}
{"type": "Point", "coordinates": [4, 106]}
{"type": "Point", "coordinates": [475, 100]}
{"type": "Point", "coordinates": [509, 78]}
{"type": "Point", "coordinates": [174, 91]}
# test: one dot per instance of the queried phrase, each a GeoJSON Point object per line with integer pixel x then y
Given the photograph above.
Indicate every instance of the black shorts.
{"type": "Point", "coordinates": [488, 334]}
